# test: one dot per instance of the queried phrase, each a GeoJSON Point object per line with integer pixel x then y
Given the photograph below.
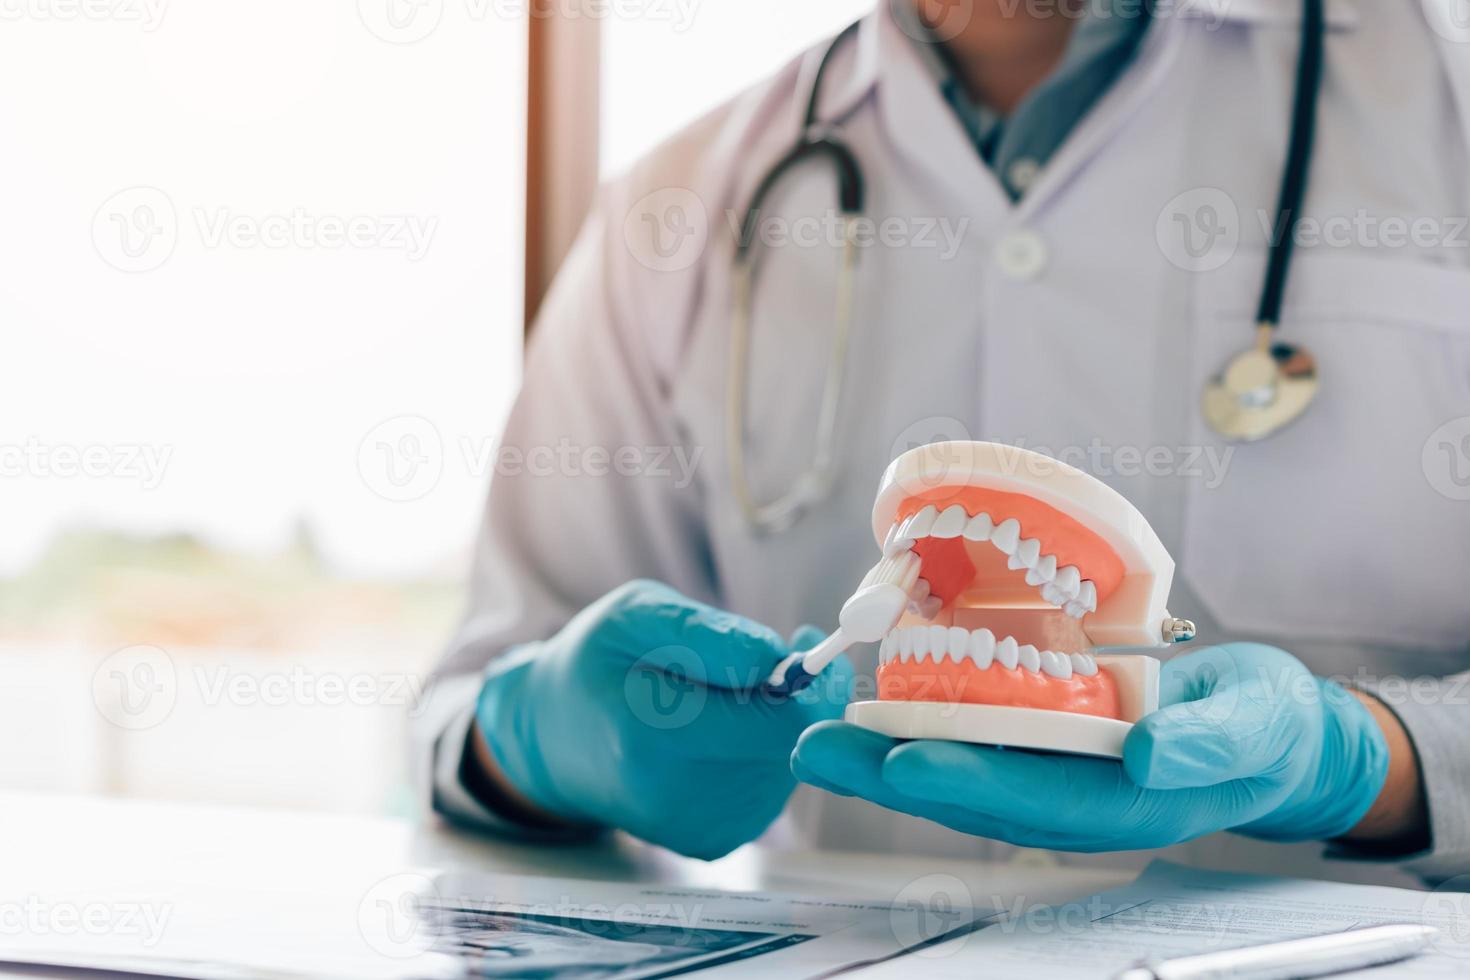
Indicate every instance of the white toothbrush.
{"type": "Point", "coordinates": [866, 617]}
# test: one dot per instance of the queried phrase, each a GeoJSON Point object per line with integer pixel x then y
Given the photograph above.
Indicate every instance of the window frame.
{"type": "Point", "coordinates": [563, 92]}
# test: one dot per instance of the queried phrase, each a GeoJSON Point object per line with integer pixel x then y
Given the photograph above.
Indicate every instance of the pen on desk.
{"type": "Point", "coordinates": [1314, 956]}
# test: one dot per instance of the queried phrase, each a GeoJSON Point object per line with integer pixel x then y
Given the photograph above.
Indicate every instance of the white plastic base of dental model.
{"type": "Point", "coordinates": [1137, 677]}
{"type": "Point", "coordinates": [992, 724]}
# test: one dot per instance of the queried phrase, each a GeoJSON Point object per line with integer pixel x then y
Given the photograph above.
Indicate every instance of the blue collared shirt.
{"type": "Point", "coordinates": [1017, 146]}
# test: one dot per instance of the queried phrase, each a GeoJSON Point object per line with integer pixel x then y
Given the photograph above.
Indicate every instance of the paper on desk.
{"type": "Point", "coordinates": [1172, 910]}
{"type": "Point", "coordinates": [445, 925]}
{"type": "Point", "coordinates": [559, 929]}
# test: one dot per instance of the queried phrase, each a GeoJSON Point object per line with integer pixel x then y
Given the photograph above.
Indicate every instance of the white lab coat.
{"type": "Point", "coordinates": [1340, 539]}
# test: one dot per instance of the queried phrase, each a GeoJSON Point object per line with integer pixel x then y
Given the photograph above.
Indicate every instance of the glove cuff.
{"type": "Point", "coordinates": [1365, 755]}
{"type": "Point", "coordinates": [1350, 774]}
{"type": "Point", "coordinates": [510, 734]}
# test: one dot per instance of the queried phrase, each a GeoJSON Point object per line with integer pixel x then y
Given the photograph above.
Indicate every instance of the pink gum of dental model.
{"type": "Point", "coordinates": [1025, 566]}
{"type": "Point", "coordinates": [964, 682]}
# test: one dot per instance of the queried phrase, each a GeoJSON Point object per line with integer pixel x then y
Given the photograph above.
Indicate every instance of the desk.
{"type": "Point", "coordinates": [211, 865]}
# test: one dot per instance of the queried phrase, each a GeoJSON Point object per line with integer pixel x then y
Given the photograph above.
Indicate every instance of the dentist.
{"type": "Point", "coordinates": [1106, 173]}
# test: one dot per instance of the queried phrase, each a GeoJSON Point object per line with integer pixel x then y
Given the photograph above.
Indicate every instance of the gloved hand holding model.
{"type": "Point", "coordinates": [1247, 739]}
{"type": "Point", "coordinates": [645, 714]}
{"type": "Point", "coordinates": [1035, 593]}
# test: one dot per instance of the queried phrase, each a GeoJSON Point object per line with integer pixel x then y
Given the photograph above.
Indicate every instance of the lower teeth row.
{"type": "Point", "coordinates": [981, 648]}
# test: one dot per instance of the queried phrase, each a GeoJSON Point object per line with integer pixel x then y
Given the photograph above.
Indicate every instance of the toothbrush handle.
{"type": "Point", "coordinates": [799, 669]}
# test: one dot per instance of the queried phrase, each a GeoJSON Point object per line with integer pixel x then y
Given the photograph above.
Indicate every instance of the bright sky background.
{"type": "Point", "coordinates": [260, 368]}
{"type": "Point", "coordinates": [687, 56]}
{"type": "Point", "coordinates": [264, 372]}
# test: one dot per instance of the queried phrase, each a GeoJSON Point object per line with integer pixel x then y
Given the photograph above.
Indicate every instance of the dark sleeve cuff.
{"type": "Point", "coordinates": [1436, 714]}
{"type": "Point", "coordinates": [464, 795]}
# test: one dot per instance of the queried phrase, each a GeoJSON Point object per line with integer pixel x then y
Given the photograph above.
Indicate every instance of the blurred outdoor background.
{"type": "Point", "coordinates": [263, 311]}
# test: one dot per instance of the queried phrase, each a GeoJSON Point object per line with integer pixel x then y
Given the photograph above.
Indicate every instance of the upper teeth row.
{"type": "Point", "coordinates": [1064, 587]}
{"type": "Point", "coordinates": [981, 648]}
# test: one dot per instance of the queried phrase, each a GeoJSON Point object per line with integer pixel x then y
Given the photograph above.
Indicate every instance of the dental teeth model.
{"type": "Point", "coordinates": [1002, 573]}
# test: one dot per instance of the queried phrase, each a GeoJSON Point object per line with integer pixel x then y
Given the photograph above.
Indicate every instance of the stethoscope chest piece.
{"type": "Point", "coordinates": [1261, 390]}
{"type": "Point", "coordinates": [1267, 387]}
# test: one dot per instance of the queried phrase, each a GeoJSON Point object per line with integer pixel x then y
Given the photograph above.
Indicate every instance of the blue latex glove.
{"type": "Point", "coordinates": [644, 713]}
{"type": "Point", "coordinates": [1246, 739]}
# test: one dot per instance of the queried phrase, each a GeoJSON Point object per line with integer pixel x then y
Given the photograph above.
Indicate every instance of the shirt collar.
{"type": "Point", "coordinates": [1338, 14]}
{"type": "Point", "coordinates": [1101, 25]}
{"type": "Point", "coordinates": [856, 71]}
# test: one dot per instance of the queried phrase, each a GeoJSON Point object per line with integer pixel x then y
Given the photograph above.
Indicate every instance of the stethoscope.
{"type": "Point", "coordinates": [1257, 393]}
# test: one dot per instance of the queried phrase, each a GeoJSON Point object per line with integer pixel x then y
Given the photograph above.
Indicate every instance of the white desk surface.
{"type": "Point", "coordinates": [211, 863]}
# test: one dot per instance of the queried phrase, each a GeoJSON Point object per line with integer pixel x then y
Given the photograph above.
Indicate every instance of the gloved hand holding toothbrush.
{"type": "Point", "coordinates": [647, 713]}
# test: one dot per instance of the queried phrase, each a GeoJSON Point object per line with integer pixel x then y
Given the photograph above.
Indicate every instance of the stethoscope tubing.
{"type": "Point", "coordinates": [818, 141]}
{"type": "Point", "coordinates": [1294, 174]}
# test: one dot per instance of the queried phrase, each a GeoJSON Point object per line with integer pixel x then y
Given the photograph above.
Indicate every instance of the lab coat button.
{"type": "Point", "coordinates": [1021, 255]}
{"type": "Point", "coordinates": [1022, 173]}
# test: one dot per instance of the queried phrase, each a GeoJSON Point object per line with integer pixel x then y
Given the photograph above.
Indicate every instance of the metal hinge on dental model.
{"type": "Point", "coordinates": [1178, 630]}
